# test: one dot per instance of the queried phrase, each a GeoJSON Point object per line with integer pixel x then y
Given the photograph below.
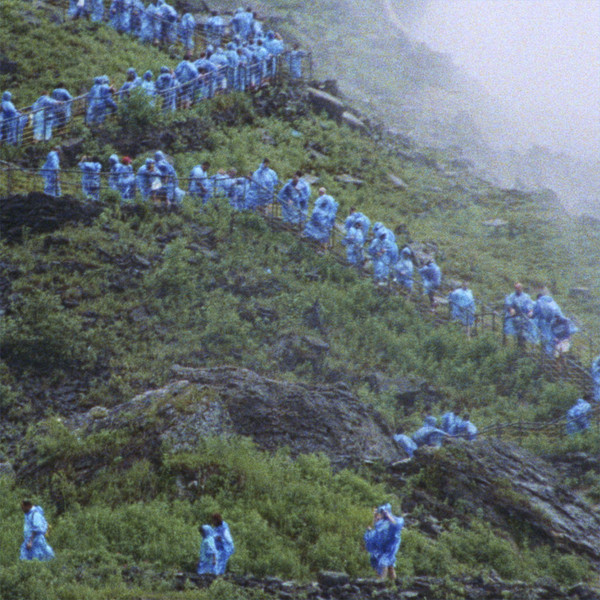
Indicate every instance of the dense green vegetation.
{"type": "Point", "coordinates": [114, 305]}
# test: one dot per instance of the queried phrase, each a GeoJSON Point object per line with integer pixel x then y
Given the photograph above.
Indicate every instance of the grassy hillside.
{"type": "Point", "coordinates": [108, 308]}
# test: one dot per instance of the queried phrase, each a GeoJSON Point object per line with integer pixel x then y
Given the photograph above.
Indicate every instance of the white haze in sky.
{"type": "Point", "coordinates": [540, 57]}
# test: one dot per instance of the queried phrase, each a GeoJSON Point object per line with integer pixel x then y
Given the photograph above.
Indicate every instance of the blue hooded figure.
{"type": "Point", "coordinates": [451, 423]}
{"type": "Point", "coordinates": [384, 254]}
{"type": "Point", "coordinates": [133, 81]}
{"type": "Point", "coordinates": [166, 87]}
{"type": "Point", "coordinates": [429, 434]}
{"type": "Point", "coordinates": [100, 101]}
{"type": "Point", "coordinates": [383, 539]}
{"type": "Point", "coordinates": [238, 192]}
{"type": "Point", "coordinates": [149, 24]}
{"type": "Point", "coordinates": [322, 218]}
{"type": "Point", "coordinates": [10, 120]}
{"type": "Point", "coordinates": [354, 217]}
{"type": "Point", "coordinates": [137, 12]}
{"type": "Point", "coordinates": [207, 71]}
{"type": "Point", "coordinates": [561, 330]}
{"type": "Point", "coordinates": [170, 181]}
{"type": "Point", "coordinates": [518, 310]}
{"type": "Point", "coordinates": [44, 117]}
{"type": "Point", "coordinates": [466, 429]}
{"type": "Point", "coordinates": [294, 60]}
{"type": "Point", "coordinates": [120, 15]}
{"type": "Point", "coordinates": [62, 110]}
{"type": "Point", "coordinates": [221, 62]}
{"type": "Point", "coordinates": [148, 85]}
{"type": "Point", "coordinates": [35, 527]}
{"type": "Point", "coordinates": [148, 179]}
{"type": "Point", "coordinates": [77, 9]}
{"type": "Point", "coordinates": [96, 10]}
{"type": "Point", "coordinates": [50, 172]}
{"type": "Point", "coordinates": [595, 372]}
{"type": "Point", "coordinates": [167, 22]}
{"type": "Point", "coordinates": [545, 309]}
{"type": "Point", "coordinates": [90, 178]}
{"type": "Point", "coordinates": [404, 269]}
{"type": "Point", "coordinates": [241, 23]}
{"type": "Point", "coordinates": [462, 305]}
{"type": "Point", "coordinates": [187, 78]}
{"type": "Point", "coordinates": [121, 177]}
{"type": "Point", "coordinates": [431, 275]}
{"type": "Point", "coordinates": [207, 564]}
{"type": "Point", "coordinates": [223, 542]}
{"type": "Point", "coordinates": [578, 417]}
{"type": "Point", "coordinates": [233, 61]}
{"type": "Point", "coordinates": [293, 198]}
{"type": "Point", "coordinates": [200, 185]}
{"type": "Point", "coordinates": [187, 26]}
{"type": "Point", "coordinates": [354, 240]}
{"type": "Point", "coordinates": [262, 187]}
{"type": "Point", "coordinates": [214, 29]}
{"type": "Point", "coordinates": [406, 443]}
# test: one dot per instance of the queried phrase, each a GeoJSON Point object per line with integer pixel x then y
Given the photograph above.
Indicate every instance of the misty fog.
{"type": "Point", "coordinates": [541, 58]}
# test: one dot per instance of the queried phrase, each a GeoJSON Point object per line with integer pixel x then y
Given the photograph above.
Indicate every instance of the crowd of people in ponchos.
{"type": "Point", "coordinates": [248, 61]}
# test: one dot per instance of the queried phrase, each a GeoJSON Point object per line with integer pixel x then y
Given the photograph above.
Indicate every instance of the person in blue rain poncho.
{"type": "Point", "coordinates": [354, 240]}
{"type": "Point", "coordinates": [170, 181]}
{"type": "Point", "coordinates": [273, 44]}
{"type": "Point", "coordinates": [121, 178]}
{"type": "Point", "coordinates": [384, 253]}
{"type": "Point", "coordinates": [544, 311]}
{"type": "Point", "coordinates": [149, 26]}
{"type": "Point", "coordinates": [148, 86]}
{"type": "Point", "coordinates": [578, 417]}
{"type": "Point", "coordinates": [100, 101]}
{"type": "Point", "coordinates": [595, 372]}
{"type": "Point", "coordinates": [79, 8]}
{"type": "Point", "coordinates": [167, 23]}
{"type": "Point", "coordinates": [404, 268]}
{"type": "Point", "coordinates": [96, 10]}
{"type": "Point", "coordinates": [207, 76]}
{"type": "Point", "coordinates": [382, 541]}
{"type": "Point", "coordinates": [238, 192]}
{"type": "Point", "coordinates": [241, 23]}
{"type": "Point", "coordinates": [200, 185]}
{"type": "Point", "coordinates": [62, 110]}
{"type": "Point", "coordinates": [294, 60]}
{"type": "Point", "coordinates": [431, 276]}
{"type": "Point", "coordinates": [10, 120]}
{"type": "Point", "coordinates": [223, 542]}
{"type": "Point", "coordinates": [294, 197]}
{"type": "Point", "coordinates": [50, 172]}
{"type": "Point", "coordinates": [262, 187]}
{"type": "Point", "coordinates": [133, 81]}
{"type": "Point", "coordinates": [166, 87]}
{"type": "Point", "coordinates": [406, 443]}
{"type": "Point", "coordinates": [187, 78]}
{"type": "Point", "coordinates": [233, 61]}
{"type": "Point", "coordinates": [518, 313]}
{"type": "Point", "coordinates": [322, 219]}
{"type": "Point", "coordinates": [147, 180]}
{"type": "Point", "coordinates": [355, 216]}
{"type": "Point", "coordinates": [35, 527]}
{"type": "Point", "coordinates": [221, 62]}
{"type": "Point", "coordinates": [561, 330]}
{"type": "Point", "coordinates": [44, 117]}
{"type": "Point", "coordinates": [429, 434]}
{"type": "Point", "coordinates": [462, 305]}
{"type": "Point", "coordinates": [120, 15]}
{"type": "Point", "coordinates": [90, 177]}
{"type": "Point", "coordinates": [451, 423]}
{"type": "Point", "coordinates": [207, 564]}
{"type": "Point", "coordinates": [186, 29]}
{"type": "Point", "coordinates": [214, 29]}
{"type": "Point", "coordinates": [466, 429]}
{"type": "Point", "coordinates": [135, 23]}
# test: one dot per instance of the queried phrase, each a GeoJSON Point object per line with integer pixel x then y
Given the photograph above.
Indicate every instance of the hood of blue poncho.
{"type": "Point", "coordinates": [148, 76]}
{"type": "Point", "coordinates": [165, 70]}
{"type": "Point", "coordinates": [430, 421]}
{"type": "Point", "coordinates": [6, 96]}
{"type": "Point", "coordinates": [113, 159]}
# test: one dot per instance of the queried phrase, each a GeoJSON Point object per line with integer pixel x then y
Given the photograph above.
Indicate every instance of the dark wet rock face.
{"type": "Point", "coordinates": [513, 489]}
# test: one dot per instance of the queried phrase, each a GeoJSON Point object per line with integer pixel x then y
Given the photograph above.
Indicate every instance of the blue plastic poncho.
{"type": "Point", "coordinates": [322, 219]}
{"type": "Point", "coordinates": [451, 423]}
{"type": "Point", "coordinates": [90, 179]}
{"type": "Point", "coordinates": [121, 178]}
{"type": "Point", "coordinates": [207, 564]}
{"type": "Point", "coordinates": [62, 110]}
{"type": "Point", "coordinates": [273, 45]}
{"type": "Point", "coordinates": [120, 15]}
{"type": "Point", "coordinates": [237, 193]}
{"type": "Point", "coordinates": [147, 179]}
{"type": "Point", "coordinates": [406, 443]}
{"type": "Point", "coordinates": [520, 323]}
{"type": "Point", "coordinates": [561, 330]}
{"type": "Point", "coordinates": [294, 60]}
{"type": "Point", "coordinates": [149, 24]}
{"type": "Point", "coordinates": [96, 10]}
{"type": "Point", "coordinates": [220, 184]}
{"type": "Point", "coordinates": [10, 120]}
{"type": "Point", "coordinates": [99, 101]}
{"type": "Point", "coordinates": [545, 309]}
{"type": "Point", "coordinates": [187, 26]}
{"type": "Point", "coordinates": [214, 29]}
{"type": "Point", "coordinates": [404, 268]}
{"type": "Point", "coordinates": [293, 197]}
{"type": "Point", "coordinates": [241, 23]}
{"type": "Point", "coordinates": [429, 434]}
{"type": "Point", "coordinates": [50, 172]}
{"type": "Point", "coordinates": [137, 11]}
{"type": "Point", "coordinates": [44, 117]}
{"type": "Point", "coordinates": [384, 254]}
{"type": "Point", "coordinates": [187, 78]}
{"type": "Point", "coordinates": [133, 81]}
{"type": "Point", "coordinates": [384, 539]}
{"type": "Point", "coordinates": [262, 187]}
{"type": "Point", "coordinates": [578, 416]}
{"type": "Point", "coordinates": [166, 86]}
{"type": "Point", "coordinates": [221, 62]}
{"type": "Point", "coordinates": [354, 240]}
{"type": "Point", "coordinates": [595, 372]}
{"type": "Point", "coordinates": [169, 178]}
{"type": "Point", "coordinates": [355, 217]}
{"type": "Point", "coordinates": [466, 429]}
{"type": "Point", "coordinates": [200, 185]}
{"type": "Point", "coordinates": [167, 24]}
{"type": "Point", "coordinates": [431, 276]}
{"type": "Point", "coordinates": [148, 85]}
{"type": "Point", "coordinates": [35, 527]}
{"type": "Point", "coordinates": [225, 546]}
{"type": "Point", "coordinates": [462, 306]}
{"type": "Point", "coordinates": [78, 9]}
